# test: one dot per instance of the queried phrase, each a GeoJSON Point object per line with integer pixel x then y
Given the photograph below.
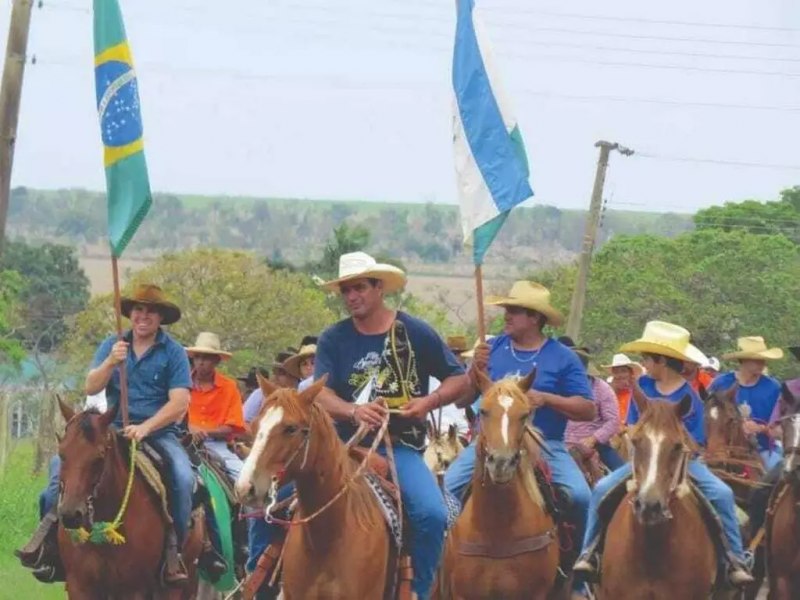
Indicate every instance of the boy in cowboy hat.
{"type": "Point", "coordinates": [301, 364]}
{"type": "Point", "coordinates": [250, 381]}
{"type": "Point", "coordinates": [560, 392]}
{"type": "Point", "coordinates": [596, 434]}
{"type": "Point", "coordinates": [379, 356]}
{"type": "Point", "coordinates": [624, 372]}
{"type": "Point", "coordinates": [756, 389]}
{"type": "Point", "coordinates": [665, 348]}
{"type": "Point", "coordinates": [158, 398]}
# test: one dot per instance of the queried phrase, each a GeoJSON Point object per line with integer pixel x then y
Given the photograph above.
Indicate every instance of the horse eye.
{"type": "Point", "coordinates": [483, 412]}
{"type": "Point", "coordinates": [290, 429]}
{"type": "Point", "coordinates": [678, 447]}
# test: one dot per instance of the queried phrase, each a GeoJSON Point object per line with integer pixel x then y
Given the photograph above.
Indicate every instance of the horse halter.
{"type": "Point", "coordinates": [277, 479]}
{"type": "Point", "coordinates": [678, 478]}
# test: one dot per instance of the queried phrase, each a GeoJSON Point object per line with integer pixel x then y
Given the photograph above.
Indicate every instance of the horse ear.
{"type": "Point", "coordinates": [684, 407]}
{"type": "Point", "coordinates": [526, 382]}
{"type": "Point", "coordinates": [66, 410]}
{"type": "Point", "coordinates": [641, 399]}
{"type": "Point", "coordinates": [729, 395]}
{"type": "Point", "coordinates": [267, 387]}
{"type": "Point", "coordinates": [483, 381]}
{"type": "Point", "coordinates": [111, 413]}
{"type": "Point", "coordinates": [430, 429]}
{"type": "Point", "coordinates": [452, 433]}
{"type": "Point", "coordinates": [308, 395]}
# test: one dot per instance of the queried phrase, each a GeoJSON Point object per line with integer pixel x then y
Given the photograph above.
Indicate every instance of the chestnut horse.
{"type": "Point", "coordinates": [344, 551]}
{"type": "Point", "coordinates": [783, 518]}
{"type": "Point", "coordinates": [443, 448]}
{"type": "Point", "coordinates": [504, 544]}
{"type": "Point", "coordinates": [94, 476]}
{"type": "Point", "coordinates": [657, 543]}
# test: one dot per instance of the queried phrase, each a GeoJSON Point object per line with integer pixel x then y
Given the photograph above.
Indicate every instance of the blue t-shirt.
{"type": "Point", "coordinates": [693, 421]}
{"type": "Point", "coordinates": [558, 371]}
{"type": "Point", "coordinates": [163, 367]}
{"type": "Point", "coordinates": [352, 360]}
{"type": "Point", "coordinates": [253, 405]}
{"type": "Point", "coordinates": [761, 397]}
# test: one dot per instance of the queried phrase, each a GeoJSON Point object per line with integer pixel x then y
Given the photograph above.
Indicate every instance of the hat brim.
{"type": "Point", "coordinates": [554, 317]}
{"type": "Point", "coordinates": [170, 313]}
{"type": "Point", "coordinates": [393, 279]}
{"type": "Point", "coordinates": [769, 354]}
{"type": "Point", "coordinates": [642, 346]}
{"type": "Point", "coordinates": [191, 351]}
{"type": "Point", "coordinates": [637, 369]}
{"type": "Point", "coordinates": [292, 364]}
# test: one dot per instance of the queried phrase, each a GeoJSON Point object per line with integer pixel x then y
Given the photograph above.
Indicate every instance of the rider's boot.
{"type": "Point", "coordinates": [588, 563]}
{"type": "Point", "coordinates": [174, 572]}
{"type": "Point", "coordinates": [739, 571]}
{"type": "Point", "coordinates": [41, 553]}
{"type": "Point", "coordinates": [211, 562]}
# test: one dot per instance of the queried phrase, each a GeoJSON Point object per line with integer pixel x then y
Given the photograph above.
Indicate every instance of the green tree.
{"type": "Point", "coordinates": [11, 286]}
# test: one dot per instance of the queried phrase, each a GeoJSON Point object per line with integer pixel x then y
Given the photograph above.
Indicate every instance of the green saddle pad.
{"type": "Point", "coordinates": [222, 517]}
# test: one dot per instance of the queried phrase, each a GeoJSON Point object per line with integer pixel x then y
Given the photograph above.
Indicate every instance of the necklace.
{"type": "Point", "coordinates": [534, 354]}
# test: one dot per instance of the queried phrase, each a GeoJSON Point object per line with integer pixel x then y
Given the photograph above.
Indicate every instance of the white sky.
{"type": "Point", "coordinates": [350, 99]}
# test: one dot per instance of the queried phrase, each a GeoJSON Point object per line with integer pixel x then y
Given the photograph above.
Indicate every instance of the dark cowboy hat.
{"type": "Point", "coordinates": [250, 379]}
{"type": "Point", "coordinates": [152, 295]}
{"type": "Point", "coordinates": [282, 357]}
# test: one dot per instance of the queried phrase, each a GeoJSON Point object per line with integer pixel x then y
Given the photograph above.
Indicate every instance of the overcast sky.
{"type": "Point", "coordinates": [350, 99]}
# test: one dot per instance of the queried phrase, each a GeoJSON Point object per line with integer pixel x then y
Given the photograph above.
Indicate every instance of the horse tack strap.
{"type": "Point", "coordinates": [508, 549]}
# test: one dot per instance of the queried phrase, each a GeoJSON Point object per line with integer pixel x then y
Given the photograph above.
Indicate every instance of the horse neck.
{"type": "Point", "coordinates": [111, 489]}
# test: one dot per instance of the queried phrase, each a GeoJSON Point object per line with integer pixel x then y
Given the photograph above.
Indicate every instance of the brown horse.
{"type": "Point", "coordinates": [504, 544]}
{"type": "Point", "coordinates": [657, 544]}
{"type": "Point", "coordinates": [443, 448]}
{"type": "Point", "coordinates": [344, 551]}
{"type": "Point", "coordinates": [94, 476]}
{"type": "Point", "coordinates": [783, 517]}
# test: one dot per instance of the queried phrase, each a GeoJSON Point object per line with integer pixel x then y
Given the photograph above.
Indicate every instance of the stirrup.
{"type": "Point", "coordinates": [173, 572]}
{"type": "Point", "coordinates": [33, 555]}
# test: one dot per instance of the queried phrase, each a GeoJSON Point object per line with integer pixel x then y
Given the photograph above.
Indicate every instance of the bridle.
{"type": "Point", "coordinates": [678, 476]}
{"type": "Point", "coordinates": [277, 479]}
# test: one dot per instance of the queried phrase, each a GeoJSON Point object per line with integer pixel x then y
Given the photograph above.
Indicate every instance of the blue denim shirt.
{"type": "Point", "coordinates": [163, 367]}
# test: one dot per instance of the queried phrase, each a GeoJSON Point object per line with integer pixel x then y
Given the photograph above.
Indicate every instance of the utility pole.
{"type": "Point", "coordinates": [10, 93]}
{"type": "Point", "coordinates": [589, 236]}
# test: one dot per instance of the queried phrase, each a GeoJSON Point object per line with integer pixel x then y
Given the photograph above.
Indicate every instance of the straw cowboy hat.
{"type": "Point", "coordinates": [755, 348]}
{"type": "Point", "coordinates": [531, 295]}
{"type": "Point", "coordinates": [151, 295]}
{"type": "Point", "coordinates": [666, 339]}
{"type": "Point", "coordinates": [471, 353]}
{"type": "Point", "coordinates": [457, 343]}
{"type": "Point", "coordinates": [622, 360]}
{"type": "Point", "coordinates": [360, 265]}
{"type": "Point", "coordinates": [292, 364]}
{"type": "Point", "coordinates": [208, 343]}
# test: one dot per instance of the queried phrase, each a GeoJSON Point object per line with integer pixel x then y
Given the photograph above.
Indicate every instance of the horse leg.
{"type": "Point", "coordinates": [81, 591]}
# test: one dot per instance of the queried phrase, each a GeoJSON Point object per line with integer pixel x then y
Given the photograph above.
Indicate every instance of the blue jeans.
{"type": "Point", "coordinates": [566, 475]}
{"type": "Point", "coordinates": [49, 496]}
{"type": "Point", "coordinates": [609, 456]}
{"type": "Point", "coordinates": [771, 458]}
{"type": "Point", "coordinates": [716, 492]}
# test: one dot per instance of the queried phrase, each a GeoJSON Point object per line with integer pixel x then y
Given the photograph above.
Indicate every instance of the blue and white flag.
{"type": "Point", "coordinates": [491, 164]}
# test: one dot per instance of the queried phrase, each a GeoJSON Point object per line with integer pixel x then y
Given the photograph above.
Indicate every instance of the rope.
{"type": "Point", "coordinates": [104, 532]}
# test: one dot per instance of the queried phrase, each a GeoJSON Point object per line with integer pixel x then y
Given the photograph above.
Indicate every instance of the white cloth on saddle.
{"type": "Point", "coordinates": [233, 464]}
{"type": "Point", "coordinates": [451, 414]}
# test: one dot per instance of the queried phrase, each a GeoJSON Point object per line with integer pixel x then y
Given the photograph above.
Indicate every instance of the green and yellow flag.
{"type": "Point", "coordinates": [127, 184]}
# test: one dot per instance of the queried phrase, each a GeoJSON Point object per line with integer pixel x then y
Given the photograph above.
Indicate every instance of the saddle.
{"type": "Point", "coordinates": [588, 461]}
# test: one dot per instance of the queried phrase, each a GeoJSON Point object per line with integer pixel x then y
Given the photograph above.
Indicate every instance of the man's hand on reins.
{"type": "Point", "coordinates": [371, 414]}
{"type": "Point", "coordinates": [418, 408]}
{"type": "Point", "coordinates": [137, 432]}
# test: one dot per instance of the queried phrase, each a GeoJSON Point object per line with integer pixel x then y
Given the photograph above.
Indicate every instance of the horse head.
{"type": "Point", "coordinates": [280, 450]}
{"type": "Point", "coordinates": [504, 414]}
{"type": "Point", "coordinates": [661, 451]}
{"type": "Point", "coordinates": [83, 448]}
{"type": "Point", "coordinates": [443, 448]}
{"type": "Point", "coordinates": [790, 424]}
{"type": "Point", "coordinates": [723, 420]}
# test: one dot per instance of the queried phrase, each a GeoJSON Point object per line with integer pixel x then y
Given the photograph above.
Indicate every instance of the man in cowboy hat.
{"type": "Point", "coordinates": [665, 348]}
{"type": "Point", "coordinates": [560, 392]}
{"type": "Point", "coordinates": [380, 356]}
{"type": "Point", "coordinates": [756, 389]}
{"type": "Point", "coordinates": [282, 378]}
{"type": "Point", "coordinates": [301, 364]}
{"type": "Point", "coordinates": [595, 435]}
{"type": "Point", "coordinates": [624, 372]}
{"type": "Point", "coordinates": [215, 410]}
{"type": "Point", "coordinates": [250, 381]}
{"type": "Point", "coordinates": [158, 398]}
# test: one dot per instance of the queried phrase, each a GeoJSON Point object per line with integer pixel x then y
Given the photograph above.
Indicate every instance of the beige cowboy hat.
{"type": "Point", "coordinates": [292, 364]}
{"type": "Point", "coordinates": [755, 348]}
{"type": "Point", "coordinates": [531, 295]}
{"type": "Point", "coordinates": [208, 343]}
{"type": "Point", "coordinates": [360, 265]}
{"type": "Point", "coordinates": [457, 343]}
{"type": "Point", "coordinates": [471, 353]}
{"type": "Point", "coordinates": [622, 360]}
{"type": "Point", "coordinates": [666, 339]}
{"type": "Point", "coordinates": [151, 295]}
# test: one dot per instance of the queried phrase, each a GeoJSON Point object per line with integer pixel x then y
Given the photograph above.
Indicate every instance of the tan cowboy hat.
{"type": "Point", "coordinates": [360, 265]}
{"type": "Point", "coordinates": [622, 360]}
{"type": "Point", "coordinates": [208, 343]}
{"type": "Point", "coordinates": [457, 343]}
{"type": "Point", "coordinates": [666, 339]}
{"type": "Point", "coordinates": [471, 353]}
{"type": "Point", "coordinates": [292, 364]}
{"type": "Point", "coordinates": [152, 295]}
{"type": "Point", "coordinates": [531, 295]}
{"type": "Point", "coordinates": [755, 348]}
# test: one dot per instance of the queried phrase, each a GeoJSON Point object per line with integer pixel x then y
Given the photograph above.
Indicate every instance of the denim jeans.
{"type": "Point", "coordinates": [49, 496]}
{"type": "Point", "coordinates": [609, 456]}
{"type": "Point", "coordinates": [771, 457]}
{"type": "Point", "coordinates": [233, 464]}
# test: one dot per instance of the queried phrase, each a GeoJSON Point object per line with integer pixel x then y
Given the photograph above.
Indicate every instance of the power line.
{"type": "Point", "coordinates": [714, 161]}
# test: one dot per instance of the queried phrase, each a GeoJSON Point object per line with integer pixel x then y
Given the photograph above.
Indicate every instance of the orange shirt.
{"type": "Point", "coordinates": [624, 400]}
{"type": "Point", "coordinates": [701, 378]}
{"type": "Point", "coordinates": [218, 406]}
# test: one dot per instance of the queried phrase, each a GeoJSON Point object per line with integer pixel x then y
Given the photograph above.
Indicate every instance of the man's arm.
{"type": "Point", "coordinates": [575, 408]}
{"type": "Point", "coordinates": [609, 413]}
{"type": "Point", "coordinates": [172, 412]}
{"type": "Point", "coordinates": [371, 413]}
{"type": "Point", "coordinates": [106, 360]}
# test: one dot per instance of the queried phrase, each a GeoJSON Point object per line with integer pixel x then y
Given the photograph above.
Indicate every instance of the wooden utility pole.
{"type": "Point", "coordinates": [589, 236]}
{"type": "Point", "coordinates": [10, 93]}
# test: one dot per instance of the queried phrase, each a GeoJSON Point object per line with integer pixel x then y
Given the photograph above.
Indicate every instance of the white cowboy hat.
{"type": "Point", "coordinates": [360, 265]}
{"type": "Point", "coordinates": [666, 339]}
{"type": "Point", "coordinates": [622, 360]}
{"type": "Point", "coordinates": [471, 353]}
{"type": "Point", "coordinates": [753, 347]}
{"type": "Point", "coordinates": [208, 343]}
{"type": "Point", "coordinates": [292, 364]}
{"type": "Point", "coordinates": [712, 363]}
{"type": "Point", "coordinates": [531, 295]}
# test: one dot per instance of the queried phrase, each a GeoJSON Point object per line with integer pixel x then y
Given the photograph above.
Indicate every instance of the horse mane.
{"type": "Point", "coordinates": [527, 465]}
{"type": "Point", "coordinates": [661, 416]}
{"type": "Point", "coordinates": [85, 424]}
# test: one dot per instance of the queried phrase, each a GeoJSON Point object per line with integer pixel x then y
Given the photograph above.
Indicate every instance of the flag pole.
{"type": "Point", "coordinates": [123, 373]}
{"type": "Point", "coordinates": [479, 297]}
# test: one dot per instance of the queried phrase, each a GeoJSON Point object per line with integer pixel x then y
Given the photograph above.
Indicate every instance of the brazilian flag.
{"type": "Point", "coordinates": [127, 184]}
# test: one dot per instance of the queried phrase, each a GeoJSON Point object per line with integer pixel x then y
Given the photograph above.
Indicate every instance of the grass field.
{"type": "Point", "coordinates": [19, 496]}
